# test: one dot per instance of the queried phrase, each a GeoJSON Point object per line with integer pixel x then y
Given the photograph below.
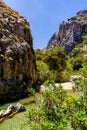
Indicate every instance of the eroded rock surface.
{"type": "Point", "coordinates": [70, 32]}
{"type": "Point", "coordinates": [12, 109]}
{"type": "Point", "coordinates": [17, 58]}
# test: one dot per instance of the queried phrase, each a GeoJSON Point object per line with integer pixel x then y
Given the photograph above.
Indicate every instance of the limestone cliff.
{"type": "Point", "coordinates": [17, 58]}
{"type": "Point", "coordinates": [70, 32]}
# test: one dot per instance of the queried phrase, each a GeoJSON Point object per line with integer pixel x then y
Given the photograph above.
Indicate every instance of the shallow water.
{"type": "Point", "coordinates": [17, 121]}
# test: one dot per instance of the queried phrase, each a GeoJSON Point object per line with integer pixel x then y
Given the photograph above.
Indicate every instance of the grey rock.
{"type": "Point", "coordinates": [82, 12]}
{"type": "Point", "coordinates": [10, 110]}
{"type": "Point", "coordinates": [70, 32]}
{"type": "Point", "coordinates": [76, 77]}
{"type": "Point", "coordinates": [19, 108]}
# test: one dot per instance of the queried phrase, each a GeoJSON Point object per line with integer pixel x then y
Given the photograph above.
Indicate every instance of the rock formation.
{"type": "Point", "coordinates": [12, 109]}
{"type": "Point", "coordinates": [70, 32]}
{"type": "Point", "coordinates": [17, 58]}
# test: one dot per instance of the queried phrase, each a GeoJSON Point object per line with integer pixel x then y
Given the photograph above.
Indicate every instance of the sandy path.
{"type": "Point", "coordinates": [66, 86]}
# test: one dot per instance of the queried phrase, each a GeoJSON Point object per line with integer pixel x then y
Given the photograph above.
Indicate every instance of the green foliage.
{"type": "Point", "coordinates": [43, 70]}
{"type": "Point", "coordinates": [84, 37]}
{"type": "Point", "coordinates": [55, 63]}
{"type": "Point", "coordinates": [76, 63]}
{"type": "Point", "coordinates": [48, 82]}
{"type": "Point", "coordinates": [49, 116]}
{"type": "Point", "coordinates": [77, 113]}
{"type": "Point", "coordinates": [83, 84]}
{"type": "Point", "coordinates": [74, 18]}
{"type": "Point", "coordinates": [84, 42]}
{"type": "Point", "coordinates": [79, 50]}
{"type": "Point", "coordinates": [76, 52]}
{"type": "Point", "coordinates": [80, 117]}
{"type": "Point", "coordinates": [31, 91]}
{"type": "Point", "coordinates": [55, 58]}
{"type": "Point", "coordinates": [58, 111]}
{"type": "Point", "coordinates": [39, 54]}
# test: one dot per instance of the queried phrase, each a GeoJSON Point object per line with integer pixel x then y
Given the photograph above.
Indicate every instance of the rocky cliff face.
{"type": "Point", "coordinates": [70, 32]}
{"type": "Point", "coordinates": [17, 59]}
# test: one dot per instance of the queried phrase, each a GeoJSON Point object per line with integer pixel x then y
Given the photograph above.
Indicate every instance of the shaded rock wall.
{"type": "Point", "coordinates": [17, 59]}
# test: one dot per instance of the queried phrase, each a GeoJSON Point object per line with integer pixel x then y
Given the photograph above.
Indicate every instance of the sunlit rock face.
{"type": "Point", "coordinates": [17, 58]}
{"type": "Point", "coordinates": [70, 32]}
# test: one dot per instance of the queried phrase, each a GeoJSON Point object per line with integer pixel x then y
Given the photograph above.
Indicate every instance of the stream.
{"type": "Point", "coordinates": [17, 121]}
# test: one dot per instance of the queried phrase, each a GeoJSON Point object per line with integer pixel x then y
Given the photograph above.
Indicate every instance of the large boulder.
{"type": "Point", "coordinates": [70, 32]}
{"type": "Point", "coordinates": [12, 109]}
{"type": "Point", "coordinates": [17, 59]}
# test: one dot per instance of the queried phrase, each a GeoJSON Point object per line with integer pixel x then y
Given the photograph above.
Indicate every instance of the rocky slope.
{"type": "Point", "coordinates": [17, 59]}
{"type": "Point", "coordinates": [70, 32]}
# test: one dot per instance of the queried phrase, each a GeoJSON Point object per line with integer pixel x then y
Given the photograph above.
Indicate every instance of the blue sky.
{"type": "Point", "coordinates": [46, 15]}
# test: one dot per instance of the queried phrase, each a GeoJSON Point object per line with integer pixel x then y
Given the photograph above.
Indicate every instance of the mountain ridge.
{"type": "Point", "coordinates": [70, 32]}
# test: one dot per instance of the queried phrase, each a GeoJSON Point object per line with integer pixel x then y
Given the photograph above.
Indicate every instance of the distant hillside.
{"type": "Point", "coordinates": [70, 32]}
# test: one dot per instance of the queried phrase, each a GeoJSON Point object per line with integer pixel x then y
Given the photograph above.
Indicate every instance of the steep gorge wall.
{"type": "Point", "coordinates": [70, 32]}
{"type": "Point", "coordinates": [17, 59]}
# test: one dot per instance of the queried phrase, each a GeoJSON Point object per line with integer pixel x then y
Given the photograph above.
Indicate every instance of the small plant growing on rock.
{"type": "Point", "coordinates": [31, 91]}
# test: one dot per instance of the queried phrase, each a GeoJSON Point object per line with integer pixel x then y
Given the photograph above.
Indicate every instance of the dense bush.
{"type": "Point", "coordinates": [39, 54]}
{"type": "Point", "coordinates": [51, 64]}
{"type": "Point", "coordinates": [58, 111]}
{"type": "Point", "coordinates": [76, 52]}
{"type": "Point", "coordinates": [76, 63]}
{"type": "Point", "coordinates": [57, 65]}
{"type": "Point", "coordinates": [56, 58]}
{"type": "Point", "coordinates": [43, 70]}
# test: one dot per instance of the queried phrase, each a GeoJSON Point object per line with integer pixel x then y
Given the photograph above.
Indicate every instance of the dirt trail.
{"type": "Point", "coordinates": [66, 86]}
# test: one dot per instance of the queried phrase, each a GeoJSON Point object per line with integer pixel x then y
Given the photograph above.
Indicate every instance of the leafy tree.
{"type": "Point", "coordinates": [51, 64]}
{"type": "Point", "coordinates": [39, 54]}
{"type": "Point", "coordinates": [56, 58]}
{"type": "Point", "coordinates": [43, 70]}
{"type": "Point", "coordinates": [76, 63]}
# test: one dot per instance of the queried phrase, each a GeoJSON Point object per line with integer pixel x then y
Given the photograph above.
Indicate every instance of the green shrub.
{"type": "Point", "coordinates": [31, 91]}
{"type": "Point", "coordinates": [49, 115]}
{"type": "Point", "coordinates": [76, 52]}
{"type": "Point", "coordinates": [39, 54]}
{"type": "Point", "coordinates": [74, 18]}
{"type": "Point", "coordinates": [58, 111]}
{"type": "Point", "coordinates": [43, 70]}
{"type": "Point", "coordinates": [56, 58]}
{"type": "Point", "coordinates": [76, 63]}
